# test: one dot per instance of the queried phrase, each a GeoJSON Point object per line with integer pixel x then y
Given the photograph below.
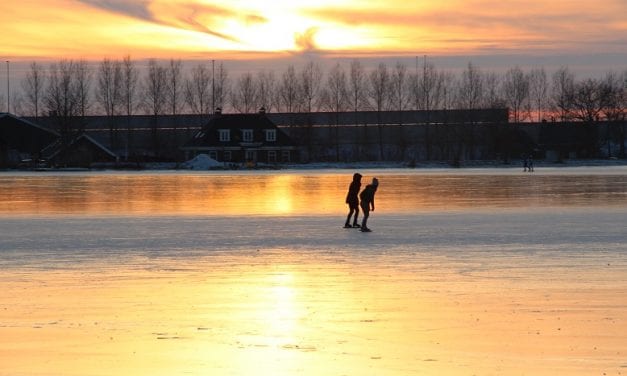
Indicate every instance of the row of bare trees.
{"type": "Point", "coordinates": [71, 88]}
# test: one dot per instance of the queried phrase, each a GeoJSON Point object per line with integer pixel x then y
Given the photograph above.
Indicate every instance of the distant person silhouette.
{"type": "Point", "coordinates": [352, 199]}
{"type": "Point", "coordinates": [530, 164]}
{"type": "Point", "coordinates": [367, 202]}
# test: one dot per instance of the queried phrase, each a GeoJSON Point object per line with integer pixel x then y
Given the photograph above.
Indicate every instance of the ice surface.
{"type": "Point", "coordinates": [447, 284]}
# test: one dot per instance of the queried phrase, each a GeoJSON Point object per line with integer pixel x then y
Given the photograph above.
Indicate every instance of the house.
{"type": "Point", "coordinates": [81, 151]}
{"type": "Point", "coordinates": [242, 138]}
{"type": "Point", "coordinates": [22, 140]}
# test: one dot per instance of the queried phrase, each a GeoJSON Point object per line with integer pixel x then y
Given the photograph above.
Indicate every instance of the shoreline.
{"type": "Point", "coordinates": [513, 164]}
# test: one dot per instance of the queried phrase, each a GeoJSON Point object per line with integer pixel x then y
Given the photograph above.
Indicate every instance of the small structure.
{"type": "Point", "coordinates": [82, 151]}
{"type": "Point", "coordinates": [242, 139]}
{"type": "Point", "coordinates": [22, 140]}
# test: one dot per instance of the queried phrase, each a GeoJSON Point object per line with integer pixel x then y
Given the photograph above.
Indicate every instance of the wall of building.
{"type": "Point", "coordinates": [146, 138]}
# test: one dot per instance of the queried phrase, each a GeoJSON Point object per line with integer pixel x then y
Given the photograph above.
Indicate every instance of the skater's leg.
{"type": "Point", "coordinates": [364, 222]}
{"type": "Point", "coordinates": [350, 214]}
{"type": "Point", "coordinates": [356, 216]}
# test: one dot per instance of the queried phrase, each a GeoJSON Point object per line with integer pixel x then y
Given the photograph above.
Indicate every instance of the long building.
{"type": "Point", "coordinates": [410, 136]}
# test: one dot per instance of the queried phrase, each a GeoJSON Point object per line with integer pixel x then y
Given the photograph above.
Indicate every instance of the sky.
{"type": "Point", "coordinates": [514, 32]}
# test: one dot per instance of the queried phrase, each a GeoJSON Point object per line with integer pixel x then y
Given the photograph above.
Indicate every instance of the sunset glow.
{"type": "Point", "coordinates": [196, 29]}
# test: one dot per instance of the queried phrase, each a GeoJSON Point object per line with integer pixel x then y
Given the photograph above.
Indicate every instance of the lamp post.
{"type": "Point", "coordinates": [8, 90]}
{"type": "Point", "coordinates": [213, 85]}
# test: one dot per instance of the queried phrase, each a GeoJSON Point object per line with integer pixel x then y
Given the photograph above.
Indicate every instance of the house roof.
{"type": "Point", "coordinates": [208, 136]}
{"type": "Point", "coordinates": [54, 149]}
{"type": "Point", "coordinates": [24, 135]}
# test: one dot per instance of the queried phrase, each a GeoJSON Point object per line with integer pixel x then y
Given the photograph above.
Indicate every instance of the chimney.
{"type": "Point", "coordinates": [218, 111]}
{"type": "Point", "coordinates": [262, 110]}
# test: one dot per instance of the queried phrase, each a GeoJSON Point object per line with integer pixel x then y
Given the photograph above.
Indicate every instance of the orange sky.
{"type": "Point", "coordinates": [245, 29]}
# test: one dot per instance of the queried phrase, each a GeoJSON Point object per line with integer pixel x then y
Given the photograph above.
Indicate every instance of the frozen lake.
{"type": "Point", "coordinates": [486, 272]}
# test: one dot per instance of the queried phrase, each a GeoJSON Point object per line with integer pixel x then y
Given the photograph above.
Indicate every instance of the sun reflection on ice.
{"type": "Point", "coordinates": [282, 314]}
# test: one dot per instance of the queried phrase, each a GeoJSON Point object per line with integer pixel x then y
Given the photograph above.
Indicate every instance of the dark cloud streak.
{"type": "Point", "coordinates": [141, 10]}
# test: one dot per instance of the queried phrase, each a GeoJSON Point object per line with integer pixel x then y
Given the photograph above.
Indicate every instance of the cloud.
{"type": "Point", "coordinates": [184, 16]}
{"type": "Point", "coordinates": [511, 20]}
{"type": "Point", "coordinates": [136, 9]}
{"type": "Point", "coordinates": [306, 41]}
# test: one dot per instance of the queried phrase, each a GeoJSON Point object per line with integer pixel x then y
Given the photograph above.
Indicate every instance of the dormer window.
{"type": "Point", "coordinates": [225, 135]}
{"type": "Point", "coordinates": [247, 135]}
{"type": "Point", "coordinates": [270, 135]}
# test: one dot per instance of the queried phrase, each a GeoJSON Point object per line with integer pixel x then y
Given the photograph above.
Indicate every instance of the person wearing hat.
{"type": "Point", "coordinates": [367, 202]}
{"type": "Point", "coordinates": [352, 199]}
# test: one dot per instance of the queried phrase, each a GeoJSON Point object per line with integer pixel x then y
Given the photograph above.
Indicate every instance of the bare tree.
{"type": "Point", "coordinates": [130, 82]}
{"type": "Point", "coordinates": [378, 93]}
{"type": "Point", "coordinates": [563, 92]}
{"type": "Point", "coordinates": [109, 94]}
{"type": "Point", "coordinates": [588, 100]}
{"type": "Point", "coordinates": [83, 86]}
{"type": "Point", "coordinates": [336, 91]}
{"type": "Point", "coordinates": [244, 94]}
{"type": "Point", "coordinates": [174, 88]}
{"type": "Point", "coordinates": [155, 92]}
{"type": "Point", "coordinates": [539, 91]}
{"type": "Point", "coordinates": [108, 90]}
{"type": "Point", "coordinates": [198, 90]}
{"type": "Point", "coordinates": [357, 86]}
{"type": "Point", "coordinates": [516, 94]}
{"type": "Point", "coordinates": [470, 90]}
{"type": "Point", "coordinates": [492, 97]}
{"type": "Point", "coordinates": [221, 84]}
{"type": "Point", "coordinates": [33, 86]}
{"type": "Point", "coordinates": [155, 88]}
{"type": "Point", "coordinates": [449, 90]}
{"type": "Point", "coordinates": [129, 87]}
{"type": "Point", "coordinates": [310, 81]}
{"type": "Point", "coordinates": [266, 88]}
{"type": "Point", "coordinates": [61, 98]}
{"type": "Point", "coordinates": [288, 90]}
{"type": "Point", "coordinates": [335, 96]}
{"type": "Point", "coordinates": [428, 87]}
{"type": "Point", "coordinates": [399, 88]}
{"type": "Point", "coordinates": [614, 88]}
{"type": "Point", "coordinates": [379, 87]}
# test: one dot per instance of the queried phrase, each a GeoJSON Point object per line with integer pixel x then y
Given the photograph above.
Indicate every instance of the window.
{"type": "Point", "coordinates": [270, 135]}
{"type": "Point", "coordinates": [251, 156]}
{"type": "Point", "coordinates": [225, 135]}
{"type": "Point", "coordinates": [285, 156]}
{"type": "Point", "coordinates": [227, 156]}
{"type": "Point", "coordinates": [213, 155]}
{"type": "Point", "coordinates": [200, 134]}
{"type": "Point", "coordinates": [247, 135]}
{"type": "Point", "coordinates": [271, 156]}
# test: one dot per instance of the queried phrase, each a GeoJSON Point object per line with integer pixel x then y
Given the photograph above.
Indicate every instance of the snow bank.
{"type": "Point", "coordinates": [202, 162]}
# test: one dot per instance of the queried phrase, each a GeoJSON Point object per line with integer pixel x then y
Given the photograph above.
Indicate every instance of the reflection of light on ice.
{"type": "Point", "coordinates": [280, 187]}
{"type": "Point", "coordinates": [282, 315]}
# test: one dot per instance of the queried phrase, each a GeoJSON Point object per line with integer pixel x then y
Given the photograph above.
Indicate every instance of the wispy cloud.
{"type": "Point", "coordinates": [136, 9]}
{"type": "Point", "coordinates": [181, 15]}
{"type": "Point", "coordinates": [513, 22]}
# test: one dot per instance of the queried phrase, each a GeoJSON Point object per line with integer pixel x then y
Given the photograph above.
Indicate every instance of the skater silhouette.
{"type": "Point", "coordinates": [352, 200]}
{"type": "Point", "coordinates": [367, 202]}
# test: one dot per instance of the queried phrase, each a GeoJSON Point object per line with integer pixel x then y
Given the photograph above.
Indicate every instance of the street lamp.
{"type": "Point", "coordinates": [8, 90]}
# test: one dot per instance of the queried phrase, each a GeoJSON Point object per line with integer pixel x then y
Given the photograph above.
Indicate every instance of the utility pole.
{"type": "Point", "coordinates": [213, 85]}
{"type": "Point", "coordinates": [8, 90]}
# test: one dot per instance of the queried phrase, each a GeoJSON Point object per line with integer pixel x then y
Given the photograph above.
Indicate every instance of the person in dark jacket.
{"type": "Point", "coordinates": [367, 202]}
{"type": "Point", "coordinates": [352, 199]}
